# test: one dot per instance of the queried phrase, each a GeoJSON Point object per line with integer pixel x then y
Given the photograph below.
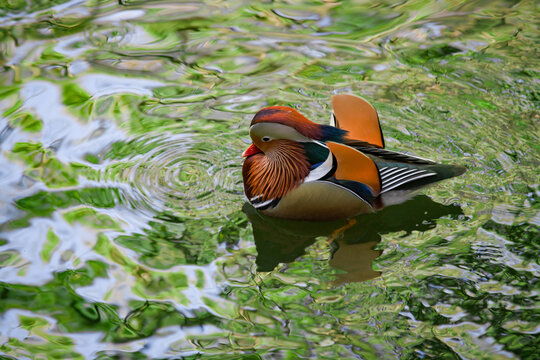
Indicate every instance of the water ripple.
{"type": "Point", "coordinates": [184, 173]}
{"type": "Point", "coordinates": [121, 128]}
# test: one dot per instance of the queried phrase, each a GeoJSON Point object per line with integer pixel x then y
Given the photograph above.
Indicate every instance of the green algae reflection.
{"type": "Point", "coordinates": [123, 228]}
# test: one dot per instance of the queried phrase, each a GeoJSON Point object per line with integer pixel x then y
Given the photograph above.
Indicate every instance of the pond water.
{"type": "Point", "coordinates": [124, 232]}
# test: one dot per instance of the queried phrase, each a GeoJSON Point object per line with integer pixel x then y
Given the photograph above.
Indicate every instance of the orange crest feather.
{"type": "Point", "coordinates": [290, 117]}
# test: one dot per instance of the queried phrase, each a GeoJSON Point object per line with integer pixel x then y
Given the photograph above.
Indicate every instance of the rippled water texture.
{"type": "Point", "coordinates": [123, 228]}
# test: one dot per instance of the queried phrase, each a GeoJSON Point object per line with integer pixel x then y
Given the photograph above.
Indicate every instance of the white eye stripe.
{"type": "Point", "coordinates": [276, 131]}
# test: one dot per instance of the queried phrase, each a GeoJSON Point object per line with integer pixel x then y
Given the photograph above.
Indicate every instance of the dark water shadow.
{"type": "Point", "coordinates": [353, 241]}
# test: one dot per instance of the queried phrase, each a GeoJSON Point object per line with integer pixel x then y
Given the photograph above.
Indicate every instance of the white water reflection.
{"type": "Point", "coordinates": [135, 185]}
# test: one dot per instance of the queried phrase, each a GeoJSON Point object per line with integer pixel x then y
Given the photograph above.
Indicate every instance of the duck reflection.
{"type": "Point", "coordinates": [352, 240]}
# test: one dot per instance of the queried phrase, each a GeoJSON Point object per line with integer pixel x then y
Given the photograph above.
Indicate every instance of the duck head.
{"type": "Point", "coordinates": [286, 148]}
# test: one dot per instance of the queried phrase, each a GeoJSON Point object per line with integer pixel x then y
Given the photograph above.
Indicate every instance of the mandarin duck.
{"type": "Point", "coordinates": [298, 169]}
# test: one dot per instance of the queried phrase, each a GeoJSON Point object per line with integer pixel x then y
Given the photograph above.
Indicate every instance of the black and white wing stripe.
{"type": "Point", "coordinates": [259, 204]}
{"type": "Point", "coordinates": [394, 177]}
{"type": "Point", "coordinates": [324, 170]}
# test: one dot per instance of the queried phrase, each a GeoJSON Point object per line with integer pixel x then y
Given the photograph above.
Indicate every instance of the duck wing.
{"type": "Point", "coordinates": [394, 170]}
{"type": "Point", "coordinates": [399, 171]}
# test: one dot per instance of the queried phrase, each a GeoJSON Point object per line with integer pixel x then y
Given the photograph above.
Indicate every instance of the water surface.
{"type": "Point", "coordinates": [123, 228]}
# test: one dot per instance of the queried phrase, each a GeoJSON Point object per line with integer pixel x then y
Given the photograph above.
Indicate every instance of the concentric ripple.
{"type": "Point", "coordinates": [186, 174]}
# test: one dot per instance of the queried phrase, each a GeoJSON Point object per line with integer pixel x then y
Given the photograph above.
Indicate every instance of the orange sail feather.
{"type": "Point", "coordinates": [359, 118]}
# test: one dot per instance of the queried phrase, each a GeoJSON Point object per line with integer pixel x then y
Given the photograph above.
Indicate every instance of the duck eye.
{"type": "Point", "coordinates": [265, 139]}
